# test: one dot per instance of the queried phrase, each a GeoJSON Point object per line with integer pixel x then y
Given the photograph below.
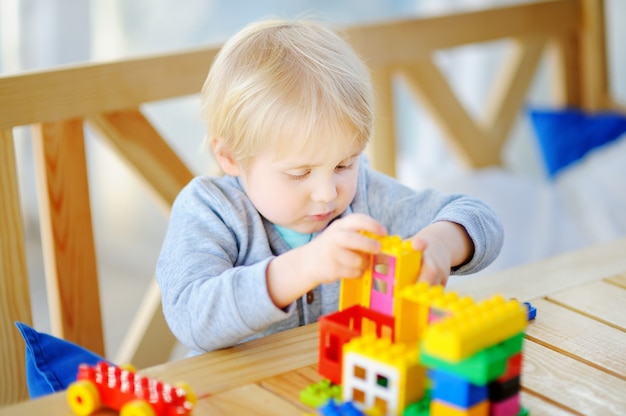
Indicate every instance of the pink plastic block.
{"type": "Point", "coordinates": [506, 407]}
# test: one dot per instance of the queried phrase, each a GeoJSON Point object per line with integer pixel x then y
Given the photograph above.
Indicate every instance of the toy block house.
{"type": "Point", "coordinates": [398, 346]}
{"type": "Point", "coordinates": [396, 267]}
{"type": "Point", "coordinates": [367, 304]}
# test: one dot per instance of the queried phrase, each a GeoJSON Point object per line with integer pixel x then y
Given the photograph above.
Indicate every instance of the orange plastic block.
{"type": "Point", "coordinates": [475, 328]}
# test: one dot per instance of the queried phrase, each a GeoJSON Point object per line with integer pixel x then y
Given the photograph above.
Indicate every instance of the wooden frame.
{"type": "Point", "coordinates": [108, 96]}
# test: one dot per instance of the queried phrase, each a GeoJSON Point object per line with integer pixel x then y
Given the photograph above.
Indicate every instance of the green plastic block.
{"type": "Point", "coordinates": [482, 367]}
{"type": "Point", "coordinates": [317, 395]}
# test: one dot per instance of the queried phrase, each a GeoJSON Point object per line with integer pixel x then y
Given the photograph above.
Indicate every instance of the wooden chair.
{"type": "Point", "coordinates": [57, 103]}
{"type": "Point", "coordinates": [108, 96]}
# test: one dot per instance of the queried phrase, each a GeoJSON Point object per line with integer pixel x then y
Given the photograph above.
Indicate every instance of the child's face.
{"type": "Point", "coordinates": [304, 190]}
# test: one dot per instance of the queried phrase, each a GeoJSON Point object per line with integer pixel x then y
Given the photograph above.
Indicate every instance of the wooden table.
{"type": "Point", "coordinates": [574, 362]}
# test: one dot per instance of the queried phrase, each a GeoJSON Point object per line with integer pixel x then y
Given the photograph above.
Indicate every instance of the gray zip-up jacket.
{"type": "Point", "coordinates": [211, 268]}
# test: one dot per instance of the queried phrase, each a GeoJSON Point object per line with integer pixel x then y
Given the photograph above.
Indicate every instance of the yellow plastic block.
{"type": "Point", "coordinates": [413, 308]}
{"type": "Point", "coordinates": [376, 370]}
{"type": "Point", "coordinates": [439, 408]}
{"type": "Point", "coordinates": [475, 328]}
{"type": "Point", "coordinates": [407, 266]}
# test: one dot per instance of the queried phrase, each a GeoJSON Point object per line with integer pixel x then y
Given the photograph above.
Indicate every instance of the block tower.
{"type": "Point", "coordinates": [398, 346]}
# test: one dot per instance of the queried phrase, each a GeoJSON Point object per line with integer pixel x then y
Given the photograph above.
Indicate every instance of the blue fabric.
{"type": "Point", "coordinates": [52, 363]}
{"type": "Point", "coordinates": [565, 136]}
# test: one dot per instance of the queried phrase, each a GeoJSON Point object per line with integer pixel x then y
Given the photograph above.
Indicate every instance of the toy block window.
{"type": "Point", "coordinates": [358, 396]}
{"type": "Point", "coordinates": [380, 286]}
{"type": "Point", "coordinates": [360, 372]}
{"type": "Point", "coordinates": [381, 264]}
{"type": "Point", "coordinates": [382, 381]}
{"type": "Point", "coordinates": [381, 405]}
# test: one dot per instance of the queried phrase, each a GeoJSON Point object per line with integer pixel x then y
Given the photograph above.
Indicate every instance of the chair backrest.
{"type": "Point", "coordinates": [107, 96]}
{"type": "Point", "coordinates": [57, 103]}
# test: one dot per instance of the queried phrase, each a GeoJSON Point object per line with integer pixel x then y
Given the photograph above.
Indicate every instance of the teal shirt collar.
{"type": "Point", "coordinates": [293, 238]}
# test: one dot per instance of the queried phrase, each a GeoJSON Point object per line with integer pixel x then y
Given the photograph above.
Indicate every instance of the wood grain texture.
{"type": "Point", "coordinates": [572, 384]}
{"type": "Point", "coordinates": [538, 406]}
{"type": "Point", "coordinates": [289, 385]}
{"type": "Point", "coordinates": [382, 149]}
{"type": "Point", "coordinates": [249, 399]}
{"type": "Point", "coordinates": [80, 90]}
{"type": "Point", "coordinates": [133, 137]}
{"type": "Point", "coordinates": [220, 370]}
{"type": "Point", "coordinates": [511, 87]}
{"type": "Point", "coordinates": [579, 336]}
{"type": "Point", "coordinates": [14, 289]}
{"type": "Point", "coordinates": [67, 234]}
{"type": "Point", "coordinates": [599, 300]}
{"type": "Point", "coordinates": [551, 275]}
{"type": "Point", "coordinates": [471, 142]}
{"type": "Point", "coordinates": [618, 280]}
{"type": "Point", "coordinates": [403, 41]}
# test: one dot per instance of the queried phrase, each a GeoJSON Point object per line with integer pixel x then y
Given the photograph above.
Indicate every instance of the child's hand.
{"type": "Point", "coordinates": [435, 261]}
{"type": "Point", "coordinates": [341, 250]}
{"type": "Point", "coordinates": [444, 245]}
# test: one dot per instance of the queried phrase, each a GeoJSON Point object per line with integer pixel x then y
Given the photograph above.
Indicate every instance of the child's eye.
{"type": "Point", "coordinates": [298, 176]}
{"type": "Point", "coordinates": [344, 166]}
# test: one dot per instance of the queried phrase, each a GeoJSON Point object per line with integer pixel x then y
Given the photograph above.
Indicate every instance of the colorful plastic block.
{"type": "Point", "coordinates": [456, 390]}
{"type": "Point", "coordinates": [332, 408]}
{"type": "Point", "coordinates": [396, 266]}
{"type": "Point", "coordinates": [506, 407]}
{"type": "Point", "coordinates": [316, 395]}
{"type": "Point", "coordinates": [340, 327]}
{"type": "Point", "coordinates": [513, 367]}
{"type": "Point", "coordinates": [439, 408]}
{"type": "Point", "coordinates": [419, 304]}
{"type": "Point", "coordinates": [532, 311]}
{"type": "Point", "coordinates": [419, 408]}
{"type": "Point", "coordinates": [377, 373]}
{"type": "Point", "coordinates": [501, 390]}
{"type": "Point", "coordinates": [484, 366]}
{"type": "Point", "coordinates": [106, 385]}
{"type": "Point", "coordinates": [475, 328]}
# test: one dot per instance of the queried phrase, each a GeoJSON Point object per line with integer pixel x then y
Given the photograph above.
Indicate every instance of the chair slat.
{"type": "Point", "coordinates": [14, 292]}
{"type": "Point", "coordinates": [510, 90]}
{"type": "Point", "coordinates": [472, 143]}
{"type": "Point", "coordinates": [67, 233]}
{"type": "Point", "coordinates": [141, 145]}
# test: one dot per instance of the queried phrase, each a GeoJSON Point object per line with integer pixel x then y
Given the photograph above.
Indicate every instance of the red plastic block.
{"type": "Point", "coordinates": [338, 328]}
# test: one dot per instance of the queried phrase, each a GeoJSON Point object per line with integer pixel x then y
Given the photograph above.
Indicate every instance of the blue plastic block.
{"type": "Point", "coordinates": [532, 311]}
{"type": "Point", "coordinates": [331, 408]}
{"type": "Point", "coordinates": [457, 390]}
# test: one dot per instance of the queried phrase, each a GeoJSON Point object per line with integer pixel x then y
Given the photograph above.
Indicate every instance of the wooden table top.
{"type": "Point", "coordinates": [574, 352]}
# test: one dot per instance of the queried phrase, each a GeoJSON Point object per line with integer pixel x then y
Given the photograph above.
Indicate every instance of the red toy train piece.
{"type": "Point", "coordinates": [106, 385]}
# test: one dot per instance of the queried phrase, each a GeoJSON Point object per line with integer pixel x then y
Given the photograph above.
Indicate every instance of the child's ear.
{"type": "Point", "coordinates": [224, 157]}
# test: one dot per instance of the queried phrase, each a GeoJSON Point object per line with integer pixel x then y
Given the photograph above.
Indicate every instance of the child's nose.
{"type": "Point", "coordinates": [325, 191]}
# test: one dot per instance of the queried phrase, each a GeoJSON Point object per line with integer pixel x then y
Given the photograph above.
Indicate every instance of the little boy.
{"type": "Point", "coordinates": [289, 109]}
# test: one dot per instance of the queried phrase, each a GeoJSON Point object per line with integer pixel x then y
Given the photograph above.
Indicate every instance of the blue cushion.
{"type": "Point", "coordinates": [565, 136]}
{"type": "Point", "coordinates": [52, 363]}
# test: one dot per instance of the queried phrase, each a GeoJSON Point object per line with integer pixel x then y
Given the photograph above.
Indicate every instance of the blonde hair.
{"type": "Point", "coordinates": [285, 80]}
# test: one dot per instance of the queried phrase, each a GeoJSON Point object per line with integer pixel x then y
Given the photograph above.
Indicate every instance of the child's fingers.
{"type": "Point", "coordinates": [419, 244]}
{"type": "Point", "coordinates": [362, 222]}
